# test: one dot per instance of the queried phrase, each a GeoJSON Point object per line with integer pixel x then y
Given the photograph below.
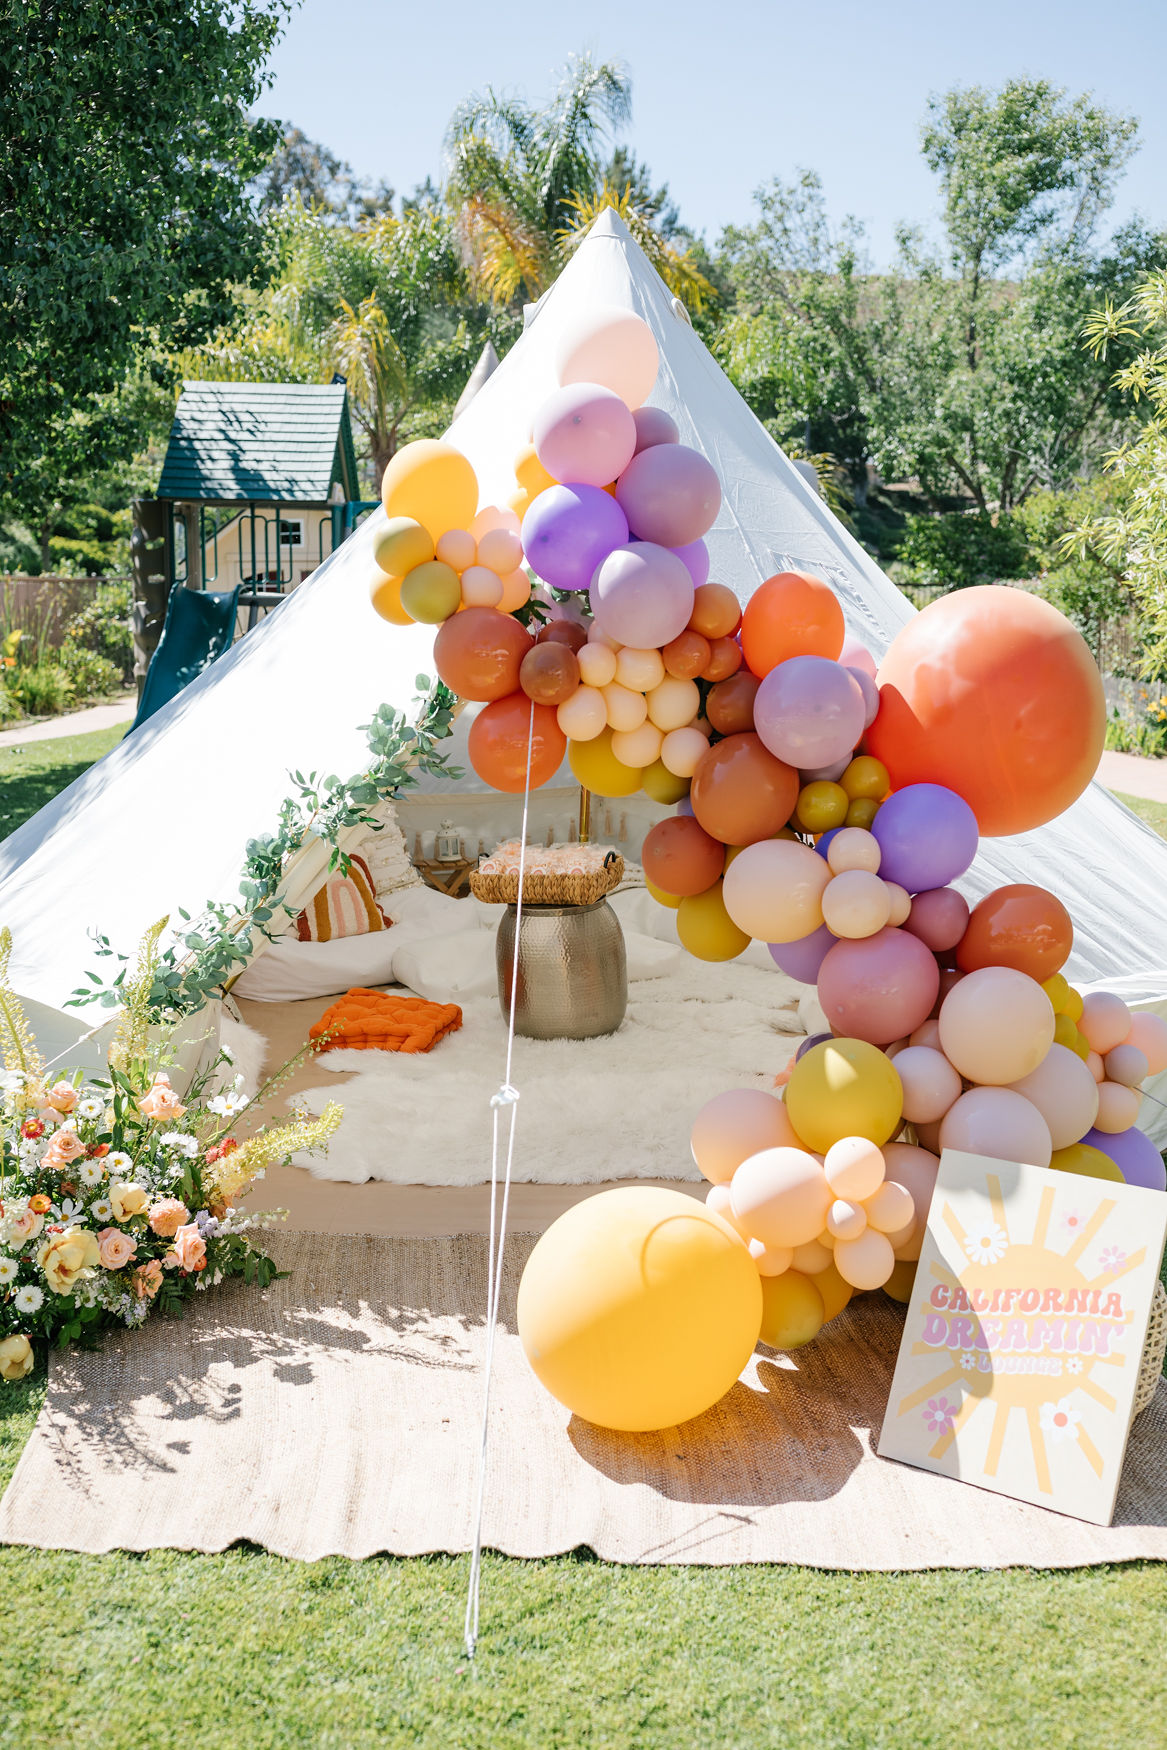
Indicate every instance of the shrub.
{"type": "Point", "coordinates": [43, 689]}
{"type": "Point", "coordinates": [962, 549]}
{"type": "Point", "coordinates": [92, 676]}
{"type": "Point", "coordinates": [103, 626]}
{"type": "Point", "coordinates": [9, 703]}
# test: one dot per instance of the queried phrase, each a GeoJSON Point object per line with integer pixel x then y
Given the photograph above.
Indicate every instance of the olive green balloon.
{"type": "Point", "coordinates": [401, 545]}
{"type": "Point", "coordinates": [431, 592]}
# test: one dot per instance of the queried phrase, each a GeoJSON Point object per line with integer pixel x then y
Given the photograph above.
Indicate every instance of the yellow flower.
{"type": "Point", "coordinates": [63, 1257]}
{"type": "Point", "coordinates": [15, 1358]}
{"type": "Point", "coordinates": [128, 1200]}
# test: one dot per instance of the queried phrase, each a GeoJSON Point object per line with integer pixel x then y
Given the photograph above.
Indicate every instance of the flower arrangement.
{"type": "Point", "coordinates": [118, 1197]}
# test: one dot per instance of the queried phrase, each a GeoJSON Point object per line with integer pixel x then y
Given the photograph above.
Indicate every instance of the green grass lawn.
{"type": "Point", "coordinates": [33, 772]}
{"type": "Point", "coordinates": [247, 1651]}
{"type": "Point", "coordinates": [1154, 813]}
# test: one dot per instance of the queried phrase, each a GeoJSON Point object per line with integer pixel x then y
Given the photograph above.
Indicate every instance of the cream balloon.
{"type": "Point", "coordinates": [597, 665]}
{"type": "Point", "coordinates": [1118, 1107]}
{"type": "Point", "coordinates": [853, 847]}
{"type": "Point", "coordinates": [774, 890]}
{"type": "Point", "coordinates": [626, 709]}
{"type": "Point", "coordinates": [891, 1209]}
{"type": "Point", "coordinates": [682, 751]}
{"type": "Point", "coordinates": [500, 550]}
{"type": "Point", "coordinates": [1149, 1033]}
{"type": "Point", "coordinates": [781, 1196]}
{"type": "Point", "coordinates": [845, 1221]}
{"type": "Point", "coordinates": [928, 1033]}
{"type": "Point", "coordinates": [584, 715]}
{"type": "Point", "coordinates": [866, 1262]}
{"type": "Point", "coordinates": [996, 1025]}
{"type": "Point", "coordinates": [931, 1085]}
{"type": "Point", "coordinates": [997, 1122]}
{"type": "Point", "coordinates": [673, 703]}
{"type": "Point", "coordinates": [899, 903]}
{"type": "Point", "coordinates": [718, 1199]}
{"type": "Point", "coordinates": [856, 904]}
{"type": "Point", "coordinates": [734, 1125]}
{"type": "Point", "coordinates": [640, 670]}
{"type": "Point", "coordinates": [1064, 1092]}
{"type": "Point", "coordinates": [771, 1260]}
{"type": "Point", "coordinates": [1096, 1066]}
{"type": "Point", "coordinates": [481, 588]}
{"type": "Point", "coordinates": [854, 1168]}
{"type": "Point", "coordinates": [637, 748]}
{"type": "Point", "coordinates": [458, 549]}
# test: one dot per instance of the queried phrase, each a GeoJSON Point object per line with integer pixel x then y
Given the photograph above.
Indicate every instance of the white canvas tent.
{"type": "Point", "coordinates": [164, 819]}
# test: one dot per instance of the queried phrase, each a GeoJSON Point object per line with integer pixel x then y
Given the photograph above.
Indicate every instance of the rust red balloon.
{"type": "Point", "coordinates": [478, 652]}
{"type": "Point", "coordinates": [741, 793]}
{"type": "Point", "coordinates": [1019, 926]}
{"type": "Point", "coordinates": [679, 856]}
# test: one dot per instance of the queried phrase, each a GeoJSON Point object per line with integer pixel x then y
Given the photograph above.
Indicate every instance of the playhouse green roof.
{"type": "Point", "coordinates": [263, 442]}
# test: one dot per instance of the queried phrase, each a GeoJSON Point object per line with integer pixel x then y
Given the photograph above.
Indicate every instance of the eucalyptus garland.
{"type": "Point", "coordinates": [203, 958]}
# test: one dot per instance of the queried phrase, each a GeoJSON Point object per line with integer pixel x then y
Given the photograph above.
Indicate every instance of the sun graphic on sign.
{"type": "Point", "coordinates": [1046, 1352]}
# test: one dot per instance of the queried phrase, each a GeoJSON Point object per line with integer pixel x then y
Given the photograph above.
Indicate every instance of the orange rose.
{"type": "Point", "coordinates": [66, 1146]}
{"type": "Point", "coordinates": [115, 1248]}
{"type": "Point", "coordinates": [161, 1101]}
{"type": "Point", "coordinates": [147, 1279]}
{"type": "Point", "coordinates": [62, 1098]}
{"type": "Point", "coordinates": [167, 1216]}
{"type": "Point", "coordinates": [190, 1248]}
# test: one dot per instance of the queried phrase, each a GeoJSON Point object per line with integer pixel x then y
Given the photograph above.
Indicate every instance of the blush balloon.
{"type": "Point", "coordinates": [642, 594]}
{"type": "Point", "coordinates": [584, 433]}
{"type": "Point", "coordinates": [1064, 1092]}
{"type": "Point", "coordinates": [879, 988]}
{"type": "Point", "coordinates": [734, 1125]}
{"type": "Point", "coordinates": [654, 426]}
{"type": "Point", "coordinates": [999, 1123]}
{"type": "Point", "coordinates": [1149, 1033]}
{"type": "Point", "coordinates": [996, 1025]}
{"type": "Point", "coordinates": [939, 916]}
{"type": "Point", "coordinates": [773, 890]}
{"type": "Point", "coordinates": [856, 655]}
{"type": "Point", "coordinates": [931, 1085]}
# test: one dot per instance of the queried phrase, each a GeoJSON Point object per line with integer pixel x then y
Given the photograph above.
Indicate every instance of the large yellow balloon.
{"type": "Point", "coordinates": [844, 1087]}
{"type": "Point", "coordinates": [431, 593]}
{"type": "Point", "coordinates": [706, 929]}
{"type": "Point", "coordinates": [598, 769]}
{"type": "Point", "coordinates": [401, 545]}
{"type": "Point", "coordinates": [792, 1311]}
{"type": "Point", "coordinates": [672, 900]}
{"type": "Point", "coordinates": [1084, 1158]}
{"type": "Point", "coordinates": [385, 595]}
{"type": "Point", "coordinates": [530, 473]}
{"type": "Point", "coordinates": [433, 483]}
{"type": "Point", "coordinates": [638, 1308]}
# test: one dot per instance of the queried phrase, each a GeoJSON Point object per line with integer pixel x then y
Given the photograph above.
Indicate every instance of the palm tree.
{"type": "Point", "coordinates": [525, 182]}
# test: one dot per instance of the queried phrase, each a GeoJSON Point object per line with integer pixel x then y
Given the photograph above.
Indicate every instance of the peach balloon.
{"type": "Point", "coordinates": [1064, 1092]}
{"type": "Point", "coordinates": [811, 1257]}
{"type": "Point", "coordinates": [891, 1209]}
{"type": "Point", "coordinates": [584, 715]}
{"type": "Point", "coordinates": [916, 1169]}
{"type": "Point", "coordinates": [791, 614]}
{"type": "Point", "coordinates": [1096, 1065]}
{"type": "Point", "coordinates": [928, 1033]}
{"type": "Point", "coordinates": [640, 669]}
{"type": "Point", "coordinates": [1149, 1033]}
{"type": "Point", "coordinates": [1128, 1065]}
{"type": "Point", "coordinates": [856, 904]}
{"type": "Point", "coordinates": [516, 592]}
{"type": "Point", "coordinates": [1118, 1107]}
{"type": "Point", "coordinates": [899, 904]}
{"type": "Point", "coordinates": [845, 1221]}
{"type": "Point", "coordinates": [931, 1085]}
{"type": "Point", "coordinates": [682, 750]}
{"type": "Point", "coordinates": [481, 588]}
{"type": "Point", "coordinates": [781, 1196]}
{"type": "Point", "coordinates": [773, 890]}
{"type": "Point", "coordinates": [771, 1260]}
{"type": "Point", "coordinates": [457, 549]}
{"type": "Point", "coordinates": [735, 1125]}
{"type": "Point", "coordinates": [866, 1262]}
{"type": "Point", "coordinates": [626, 709]}
{"type": "Point", "coordinates": [854, 1168]}
{"type": "Point", "coordinates": [996, 1025]}
{"type": "Point", "coordinates": [1106, 1021]}
{"type": "Point", "coordinates": [501, 551]}
{"type": "Point", "coordinates": [742, 794]}
{"type": "Point", "coordinates": [597, 664]}
{"type": "Point", "coordinates": [673, 703]}
{"type": "Point", "coordinates": [999, 1123]}
{"type": "Point", "coordinates": [637, 747]}
{"type": "Point", "coordinates": [853, 848]}
{"type": "Point", "coordinates": [610, 345]}
{"type": "Point", "coordinates": [719, 1200]}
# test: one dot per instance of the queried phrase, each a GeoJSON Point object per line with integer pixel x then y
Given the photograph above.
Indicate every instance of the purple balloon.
{"type": "Point", "coordinates": [824, 841]}
{"type": "Point", "coordinates": [809, 712]}
{"type": "Point", "coordinates": [685, 805]}
{"type": "Point", "coordinates": [670, 494]}
{"type": "Point", "coordinates": [927, 836]}
{"type": "Point", "coordinates": [569, 530]}
{"type": "Point", "coordinates": [642, 594]}
{"type": "Point", "coordinates": [1133, 1153]}
{"type": "Point", "coordinates": [654, 426]}
{"type": "Point", "coordinates": [803, 958]}
{"type": "Point", "coordinates": [870, 693]}
{"type": "Point", "coordinates": [810, 1042]}
{"type": "Point", "coordinates": [696, 559]}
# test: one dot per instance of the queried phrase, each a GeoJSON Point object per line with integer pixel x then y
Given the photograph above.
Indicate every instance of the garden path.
{"type": "Point", "coordinates": [120, 710]}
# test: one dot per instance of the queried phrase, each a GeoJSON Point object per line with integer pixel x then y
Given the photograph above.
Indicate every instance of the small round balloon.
{"type": "Point", "coordinates": [548, 673]}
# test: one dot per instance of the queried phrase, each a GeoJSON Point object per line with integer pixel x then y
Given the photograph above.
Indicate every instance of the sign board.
{"type": "Point", "coordinates": [1025, 1329]}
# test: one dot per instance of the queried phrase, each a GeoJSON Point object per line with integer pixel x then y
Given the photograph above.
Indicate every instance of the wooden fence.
{"type": "Point", "coordinates": [41, 606]}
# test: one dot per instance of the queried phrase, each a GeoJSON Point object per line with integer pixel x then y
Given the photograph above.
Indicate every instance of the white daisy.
{"type": "Point", "coordinates": [29, 1299]}
{"type": "Point", "coordinates": [69, 1208]}
{"type": "Point", "coordinates": [987, 1244]}
{"type": "Point", "coordinates": [117, 1165]}
{"type": "Point", "coordinates": [226, 1051]}
{"type": "Point", "coordinates": [91, 1172]}
{"type": "Point", "coordinates": [90, 1108]}
{"type": "Point", "coordinates": [101, 1210]}
{"type": "Point", "coordinates": [968, 1362]}
{"type": "Point", "coordinates": [228, 1105]}
{"type": "Point", "coordinates": [181, 1143]}
{"type": "Point", "coordinates": [8, 1269]}
{"type": "Point", "coordinates": [1074, 1364]}
{"type": "Point", "coordinates": [1060, 1420]}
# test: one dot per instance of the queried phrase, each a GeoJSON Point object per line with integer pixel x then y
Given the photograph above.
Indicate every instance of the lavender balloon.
{"type": "Point", "coordinates": [870, 693]}
{"type": "Point", "coordinates": [810, 1042]}
{"type": "Point", "coordinates": [856, 655]}
{"type": "Point", "coordinates": [670, 494]}
{"type": "Point", "coordinates": [803, 958]}
{"type": "Point", "coordinates": [1133, 1153]}
{"type": "Point", "coordinates": [809, 712]}
{"type": "Point", "coordinates": [642, 595]}
{"type": "Point", "coordinates": [569, 530]}
{"type": "Point", "coordinates": [696, 559]}
{"type": "Point", "coordinates": [927, 836]}
{"type": "Point", "coordinates": [654, 426]}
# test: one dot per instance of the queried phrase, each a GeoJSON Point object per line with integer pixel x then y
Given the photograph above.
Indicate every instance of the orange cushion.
{"type": "Point", "coordinates": [345, 906]}
{"type": "Point", "coordinates": [380, 1020]}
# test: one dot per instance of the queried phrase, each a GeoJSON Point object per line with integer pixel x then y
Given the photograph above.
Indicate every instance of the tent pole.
{"type": "Point", "coordinates": [585, 815]}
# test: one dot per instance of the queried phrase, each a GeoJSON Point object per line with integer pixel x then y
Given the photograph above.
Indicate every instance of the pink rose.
{"type": "Point", "coordinates": [161, 1101]}
{"type": "Point", "coordinates": [62, 1098]}
{"type": "Point", "coordinates": [66, 1146]}
{"type": "Point", "coordinates": [27, 1226]}
{"type": "Point", "coordinates": [190, 1248]}
{"type": "Point", "coordinates": [115, 1248]}
{"type": "Point", "coordinates": [147, 1279]}
{"type": "Point", "coordinates": [167, 1216]}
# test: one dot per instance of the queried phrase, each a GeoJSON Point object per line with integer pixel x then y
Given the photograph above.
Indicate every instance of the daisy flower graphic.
{"type": "Point", "coordinates": [939, 1415]}
{"type": "Point", "coordinates": [987, 1244]}
{"type": "Point", "coordinates": [968, 1362]}
{"type": "Point", "coordinates": [1112, 1260]}
{"type": "Point", "coordinates": [1074, 1364]}
{"type": "Point", "coordinates": [1060, 1420]}
{"type": "Point", "coordinates": [1072, 1223]}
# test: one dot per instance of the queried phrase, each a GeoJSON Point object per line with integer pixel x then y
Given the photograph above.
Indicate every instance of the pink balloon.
{"type": "Point", "coordinates": [584, 434]}
{"type": "Point", "coordinates": [1149, 1033]}
{"type": "Point", "coordinates": [654, 426]}
{"type": "Point", "coordinates": [809, 711]}
{"type": "Point", "coordinates": [735, 1125]}
{"type": "Point", "coordinates": [939, 916]}
{"type": "Point", "coordinates": [915, 1168]}
{"type": "Point", "coordinates": [670, 494]}
{"type": "Point", "coordinates": [642, 595]}
{"type": "Point", "coordinates": [931, 1085]}
{"type": "Point", "coordinates": [879, 988]}
{"type": "Point", "coordinates": [1064, 1092]}
{"type": "Point", "coordinates": [856, 655]}
{"type": "Point", "coordinates": [999, 1123]}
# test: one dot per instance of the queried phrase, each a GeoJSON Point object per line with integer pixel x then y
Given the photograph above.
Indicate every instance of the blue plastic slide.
{"type": "Point", "coordinates": [199, 626]}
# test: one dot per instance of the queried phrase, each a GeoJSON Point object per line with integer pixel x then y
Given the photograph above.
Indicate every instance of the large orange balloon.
{"type": "Point", "coordinates": [679, 856]}
{"type": "Point", "coordinates": [1020, 926]}
{"type": "Point", "coordinates": [478, 653]}
{"type": "Point", "coordinates": [741, 793]}
{"type": "Point", "coordinates": [497, 743]}
{"type": "Point", "coordinates": [792, 614]}
{"type": "Point", "coordinates": [993, 693]}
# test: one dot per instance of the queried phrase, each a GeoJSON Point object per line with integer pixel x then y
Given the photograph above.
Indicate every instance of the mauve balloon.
{"type": "Point", "coordinates": [670, 494]}
{"type": "Point", "coordinates": [642, 595]}
{"type": "Point", "coordinates": [927, 836]}
{"type": "Point", "coordinates": [655, 426]}
{"type": "Point", "coordinates": [809, 712]}
{"type": "Point", "coordinates": [878, 988]}
{"type": "Point", "coordinates": [1133, 1153]}
{"type": "Point", "coordinates": [569, 530]}
{"type": "Point", "coordinates": [802, 959]}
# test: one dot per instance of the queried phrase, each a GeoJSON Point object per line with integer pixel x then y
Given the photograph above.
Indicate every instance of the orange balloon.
{"type": "Point", "coordinates": [725, 658]}
{"type": "Point", "coordinates": [993, 693]}
{"type": "Point", "coordinates": [717, 613]}
{"type": "Point", "coordinates": [497, 743]}
{"type": "Point", "coordinates": [562, 632]}
{"type": "Point", "coordinates": [549, 673]}
{"type": "Point", "coordinates": [741, 793]}
{"type": "Point", "coordinates": [385, 594]}
{"type": "Point", "coordinates": [792, 614]}
{"type": "Point", "coordinates": [679, 856]}
{"type": "Point", "coordinates": [686, 655]}
{"type": "Point", "coordinates": [730, 705]}
{"type": "Point", "coordinates": [478, 653]}
{"type": "Point", "coordinates": [1020, 926]}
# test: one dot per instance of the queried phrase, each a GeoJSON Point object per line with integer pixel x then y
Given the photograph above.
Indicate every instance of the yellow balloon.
{"type": "Point", "coordinates": [706, 929]}
{"type": "Point", "coordinates": [861, 812]}
{"type": "Point", "coordinates": [1065, 1031]}
{"type": "Point", "coordinates": [661, 784]}
{"type": "Point", "coordinates": [1082, 1158]}
{"type": "Point", "coordinates": [385, 595]}
{"type": "Point", "coordinates": [519, 502]}
{"type": "Point", "coordinates": [530, 473]}
{"type": "Point", "coordinates": [598, 769]}
{"type": "Point", "coordinates": [1057, 990]}
{"type": "Point", "coordinates": [821, 806]}
{"type": "Point", "coordinates": [834, 1291]}
{"type": "Point", "coordinates": [672, 900]}
{"type": "Point", "coordinates": [401, 545]}
{"type": "Point", "coordinates": [844, 1087]}
{"type": "Point", "coordinates": [433, 483]}
{"type": "Point", "coordinates": [792, 1311]}
{"type": "Point", "coordinates": [639, 1308]}
{"type": "Point", "coordinates": [431, 593]}
{"type": "Point", "coordinates": [866, 778]}
{"type": "Point", "coordinates": [899, 1283]}
{"type": "Point", "coordinates": [1073, 1004]}
{"type": "Point", "coordinates": [1082, 1046]}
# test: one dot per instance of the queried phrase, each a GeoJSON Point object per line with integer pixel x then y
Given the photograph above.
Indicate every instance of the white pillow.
{"type": "Point", "coordinates": [289, 970]}
{"type": "Point", "coordinates": [387, 856]}
{"type": "Point", "coordinates": [424, 906]}
{"type": "Point", "coordinates": [448, 968]}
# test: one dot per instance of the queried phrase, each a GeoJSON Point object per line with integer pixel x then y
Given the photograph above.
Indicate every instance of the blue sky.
{"type": "Point", "coordinates": [725, 95]}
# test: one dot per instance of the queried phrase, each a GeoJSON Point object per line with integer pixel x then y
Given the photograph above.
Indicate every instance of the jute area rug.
{"type": "Point", "coordinates": [339, 1412]}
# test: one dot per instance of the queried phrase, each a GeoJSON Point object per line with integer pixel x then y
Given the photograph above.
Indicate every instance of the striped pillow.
{"type": "Point", "coordinates": [345, 906]}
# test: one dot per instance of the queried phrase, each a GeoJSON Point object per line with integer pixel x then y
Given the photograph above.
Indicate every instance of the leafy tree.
{"type": "Point", "coordinates": [323, 182]}
{"type": "Point", "coordinates": [125, 152]}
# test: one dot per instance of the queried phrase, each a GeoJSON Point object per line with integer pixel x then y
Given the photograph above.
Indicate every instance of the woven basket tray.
{"type": "Point", "coordinates": [503, 889]}
{"type": "Point", "coordinates": [1154, 1349]}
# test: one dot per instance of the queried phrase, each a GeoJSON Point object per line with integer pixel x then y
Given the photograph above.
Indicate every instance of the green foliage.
{"type": "Point", "coordinates": [1144, 733]}
{"type": "Point", "coordinates": [102, 627]}
{"type": "Point", "coordinates": [322, 182]}
{"type": "Point", "coordinates": [90, 676]}
{"type": "Point", "coordinates": [43, 689]}
{"type": "Point", "coordinates": [960, 550]}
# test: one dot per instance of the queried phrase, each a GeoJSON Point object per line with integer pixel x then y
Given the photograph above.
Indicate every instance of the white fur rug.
{"type": "Point", "coordinates": [614, 1108]}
